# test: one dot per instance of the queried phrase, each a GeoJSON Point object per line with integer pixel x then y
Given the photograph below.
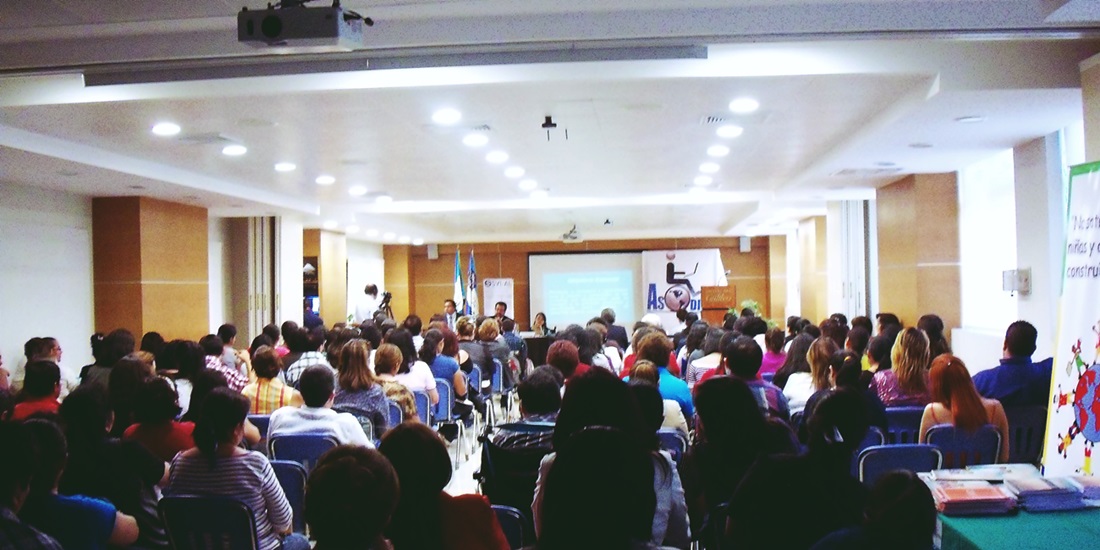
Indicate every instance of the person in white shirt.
{"type": "Point", "coordinates": [316, 415]}
{"type": "Point", "coordinates": [367, 304]}
{"type": "Point", "coordinates": [43, 349]}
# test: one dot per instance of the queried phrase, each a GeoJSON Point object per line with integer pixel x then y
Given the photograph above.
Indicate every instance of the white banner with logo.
{"type": "Point", "coordinates": [673, 279]}
{"type": "Point", "coordinates": [1073, 417]}
{"type": "Point", "coordinates": [498, 290]}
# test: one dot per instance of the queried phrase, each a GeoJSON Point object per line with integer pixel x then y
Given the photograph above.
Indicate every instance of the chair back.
{"type": "Point", "coordinates": [874, 437]}
{"type": "Point", "coordinates": [1026, 430]}
{"type": "Point", "coordinates": [513, 523]}
{"type": "Point", "coordinates": [304, 449]}
{"type": "Point", "coordinates": [903, 424]}
{"type": "Point", "coordinates": [673, 441]}
{"type": "Point", "coordinates": [207, 523]}
{"type": "Point", "coordinates": [261, 421]}
{"type": "Point", "coordinates": [498, 373]}
{"type": "Point", "coordinates": [423, 406]}
{"type": "Point", "coordinates": [914, 457]}
{"type": "Point", "coordinates": [397, 416]}
{"type": "Point", "coordinates": [446, 404]}
{"type": "Point", "coordinates": [361, 416]}
{"type": "Point", "coordinates": [508, 475]}
{"type": "Point", "coordinates": [961, 449]}
{"type": "Point", "coordinates": [475, 380]}
{"type": "Point", "coordinates": [292, 478]}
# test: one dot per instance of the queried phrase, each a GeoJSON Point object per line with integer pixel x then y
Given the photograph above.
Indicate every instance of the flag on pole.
{"type": "Point", "coordinates": [460, 290]}
{"type": "Point", "coordinates": [472, 306]}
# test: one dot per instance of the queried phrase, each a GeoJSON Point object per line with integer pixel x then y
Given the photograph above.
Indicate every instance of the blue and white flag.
{"type": "Point", "coordinates": [460, 291]}
{"type": "Point", "coordinates": [471, 288]}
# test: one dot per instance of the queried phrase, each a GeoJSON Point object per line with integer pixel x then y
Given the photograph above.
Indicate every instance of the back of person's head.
{"type": "Point", "coordinates": [654, 347]}
{"type": "Point", "coordinates": [696, 334]}
{"type": "Point", "coordinates": [743, 357]}
{"type": "Point", "coordinates": [563, 355]}
{"type": "Point", "coordinates": [932, 326]}
{"type": "Point", "coordinates": [488, 330]}
{"type": "Point", "coordinates": [608, 314]}
{"type": "Point", "coordinates": [834, 331]}
{"type": "Point", "coordinates": [839, 318]}
{"type": "Point", "coordinates": [598, 493]}
{"type": "Point", "coordinates": [863, 322]}
{"type": "Point", "coordinates": [882, 345]}
{"type": "Point", "coordinates": [86, 414]}
{"type": "Point", "coordinates": [17, 464]}
{"type": "Point", "coordinates": [900, 512]}
{"type": "Point", "coordinates": [354, 370]}
{"type": "Point", "coordinates": [886, 320]}
{"type": "Point", "coordinates": [227, 333]}
{"type": "Point", "coordinates": [858, 338]}
{"type": "Point", "coordinates": [206, 381]}
{"type": "Point", "coordinates": [540, 393]}
{"type": "Point", "coordinates": [413, 324]}
{"type": "Point", "coordinates": [796, 354]}
{"type": "Point", "coordinates": [387, 359]}
{"type": "Point", "coordinates": [654, 320]}
{"type": "Point", "coordinates": [96, 342]}
{"type": "Point", "coordinates": [152, 342]}
{"type": "Point", "coordinates": [42, 379]}
{"type": "Point", "coordinates": [599, 325]}
{"type": "Point", "coordinates": [646, 371]}
{"type": "Point", "coordinates": [599, 398]}
{"type": "Point", "coordinates": [371, 334]}
{"type": "Point", "coordinates": [423, 465]}
{"type": "Point", "coordinates": [335, 342]}
{"type": "Point", "coordinates": [315, 339]}
{"type": "Point", "coordinates": [156, 402]}
{"type": "Point", "coordinates": [552, 372]}
{"type": "Point", "coordinates": [754, 326]}
{"type": "Point", "coordinates": [116, 345]}
{"type": "Point", "coordinates": [1020, 339]}
{"type": "Point", "coordinates": [123, 386]}
{"type": "Point", "coordinates": [838, 425]}
{"type": "Point", "coordinates": [271, 330]}
{"type": "Point", "coordinates": [713, 340]}
{"type": "Point", "coordinates": [849, 370]}
{"type": "Point", "coordinates": [910, 360]}
{"type": "Point", "coordinates": [223, 413]}
{"type": "Point", "coordinates": [507, 325]}
{"type": "Point", "coordinates": [351, 494]}
{"type": "Point", "coordinates": [465, 327]}
{"type": "Point", "coordinates": [720, 400]}
{"type": "Point", "coordinates": [266, 362]}
{"type": "Point", "coordinates": [592, 343]}
{"type": "Point", "coordinates": [52, 454]}
{"type": "Point", "coordinates": [811, 329]}
{"type": "Point", "coordinates": [258, 342]}
{"type": "Point", "coordinates": [430, 348]}
{"type": "Point", "coordinates": [951, 385]}
{"type": "Point", "coordinates": [821, 352]}
{"type": "Point", "coordinates": [32, 348]}
{"type": "Point", "coordinates": [297, 339]}
{"type": "Point", "coordinates": [316, 385]}
{"type": "Point", "coordinates": [774, 340]}
{"type": "Point", "coordinates": [403, 339]}
{"type": "Point", "coordinates": [794, 324]}
{"type": "Point", "coordinates": [288, 327]}
{"type": "Point", "coordinates": [212, 345]}
{"type": "Point", "coordinates": [651, 404]}
{"type": "Point", "coordinates": [450, 341]}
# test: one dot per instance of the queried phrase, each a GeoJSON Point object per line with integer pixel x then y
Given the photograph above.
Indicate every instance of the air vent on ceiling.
{"type": "Point", "coordinates": [209, 138]}
{"type": "Point", "coordinates": [709, 120]}
{"type": "Point", "coordinates": [865, 172]}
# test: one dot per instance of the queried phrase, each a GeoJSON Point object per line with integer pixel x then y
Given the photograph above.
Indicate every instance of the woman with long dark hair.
{"type": "Point", "coordinates": [796, 359]}
{"type": "Point", "coordinates": [412, 373]}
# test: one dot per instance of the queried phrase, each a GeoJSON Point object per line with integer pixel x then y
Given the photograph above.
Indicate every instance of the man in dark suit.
{"type": "Point", "coordinates": [615, 333]}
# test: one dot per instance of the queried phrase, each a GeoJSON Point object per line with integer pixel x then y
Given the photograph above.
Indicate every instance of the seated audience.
{"type": "Point", "coordinates": [1017, 381]}
{"type": "Point", "coordinates": [906, 382]}
{"type": "Point", "coordinates": [673, 417]}
{"type": "Point", "coordinates": [387, 360]}
{"type": "Point", "coordinates": [857, 341]}
{"type": "Point", "coordinates": [742, 358]}
{"type": "Point", "coordinates": [218, 466]}
{"type": "Point", "coordinates": [641, 329]}
{"type": "Point", "coordinates": [932, 326]}
{"type": "Point", "coordinates": [121, 472]}
{"type": "Point", "coordinates": [724, 448]}
{"type": "Point", "coordinates": [187, 359]}
{"type": "Point", "coordinates": [693, 343]}
{"type": "Point", "coordinates": [413, 373]}
{"type": "Point", "coordinates": [351, 494]}
{"type": "Point", "coordinates": [878, 350]}
{"type": "Point", "coordinates": [433, 353]}
{"type": "Point", "coordinates": [956, 401]}
{"type": "Point", "coordinates": [817, 487]}
{"type": "Point", "coordinates": [156, 428]}
{"type": "Point", "coordinates": [598, 398]}
{"type": "Point", "coordinates": [516, 344]}
{"type": "Point", "coordinates": [539, 402]}
{"type": "Point", "coordinates": [116, 345]}
{"type": "Point", "coordinates": [773, 354]}
{"type": "Point", "coordinates": [213, 347]}
{"type": "Point", "coordinates": [77, 522]}
{"type": "Point", "coordinates": [316, 415]}
{"type": "Point", "coordinates": [655, 347]}
{"type": "Point", "coordinates": [851, 376]}
{"type": "Point", "coordinates": [796, 361]}
{"type": "Point", "coordinates": [358, 392]}
{"type": "Point", "coordinates": [268, 393]}
{"type": "Point", "coordinates": [308, 343]}
{"type": "Point", "coordinates": [710, 357]}
{"type": "Point", "coordinates": [827, 380]}
{"type": "Point", "coordinates": [900, 514]}
{"type": "Point", "coordinates": [17, 466]}
{"type": "Point", "coordinates": [802, 385]}
{"type": "Point", "coordinates": [123, 386]}
{"type": "Point", "coordinates": [206, 381]}
{"type": "Point", "coordinates": [564, 356]}
{"type": "Point", "coordinates": [426, 516]}
{"type": "Point", "coordinates": [886, 322]}
{"type": "Point", "coordinates": [41, 388]}
{"type": "Point", "coordinates": [258, 342]}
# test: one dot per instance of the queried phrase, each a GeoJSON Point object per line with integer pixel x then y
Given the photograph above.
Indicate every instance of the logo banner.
{"type": "Point", "coordinates": [499, 290]}
{"type": "Point", "coordinates": [673, 280]}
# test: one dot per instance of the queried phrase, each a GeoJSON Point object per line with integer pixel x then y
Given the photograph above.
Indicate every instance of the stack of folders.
{"type": "Point", "coordinates": [969, 497]}
{"type": "Point", "coordinates": [1089, 486]}
{"type": "Point", "coordinates": [1044, 494]}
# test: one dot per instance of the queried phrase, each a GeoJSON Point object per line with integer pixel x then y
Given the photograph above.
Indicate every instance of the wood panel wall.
{"type": "Point", "coordinates": [331, 250]}
{"type": "Point", "coordinates": [813, 268]}
{"type": "Point", "coordinates": [777, 278]}
{"type": "Point", "coordinates": [421, 285]}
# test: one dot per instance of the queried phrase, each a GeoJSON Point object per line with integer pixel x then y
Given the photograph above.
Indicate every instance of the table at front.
{"type": "Point", "coordinates": [1023, 531]}
{"type": "Point", "coordinates": [537, 347]}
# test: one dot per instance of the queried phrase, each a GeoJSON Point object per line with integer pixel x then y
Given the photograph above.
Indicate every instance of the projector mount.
{"type": "Point", "coordinates": [348, 14]}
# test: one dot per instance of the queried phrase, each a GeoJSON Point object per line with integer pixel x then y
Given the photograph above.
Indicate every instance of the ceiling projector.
{"type": "Point", "coordinates": [572, 236]}
{"type": "Point", "coordinates": [297, 26]}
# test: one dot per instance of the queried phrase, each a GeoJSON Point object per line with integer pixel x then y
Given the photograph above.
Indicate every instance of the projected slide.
{"type": "Point", "coordinates": [573, 288]}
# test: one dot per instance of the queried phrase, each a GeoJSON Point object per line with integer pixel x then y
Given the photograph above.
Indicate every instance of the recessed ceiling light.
{"type": "Point", "coordinates": [383, 199]}
{"type": "Point", "coordinates": [514, 172]}
{"type": "Point", "coordinates": [729, 131]}
{"type": "Point", "coordinates": [920, 145]}
{"type": "Point", "coordinates": [528, 184]}
{"type": "Point", "coordinates": [709, 167]}
{"type": "Point", "coordinates": [389, 235]}
{"type": "Point", "coordinates": [539, 194]}
{"type": "Point", "coordinates": [475, 139]}
{"type": "Point", "coordinates": [234, 150]}
{"type": "Point", "coordinates": [744, 105]}
{"type": "Point", "coordinates": [166, 129]}
{"type": "Point", "coordinates": [718, 150]}
{"type": "Point", "coordinates": [325, 180]}
{"type": "Point", "coordinates": [446, 116]}
{"type": "Point", "coordinates": [970, 119]}
{"type": "Point", "coordinates": [497, 157]}
{"type": "Point", "coordinates": [703, 180]}
{"type": "Point", "coordinates": [372, 232]}
{"type": "Point", "coordinates": [285, 166]}
{"type": "Point", "coordinates": [404, 239]}
{"type": "Point", "coordinates": [357, 190]}
{"type": "Point", "coordinates": [330, 224]}
{"type": "Point", "coordinates": [352, 229]}
{"type": "Point", "coordinates": [418, 241]}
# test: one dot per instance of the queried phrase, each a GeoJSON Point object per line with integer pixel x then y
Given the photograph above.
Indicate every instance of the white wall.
{"type": "Point", "coordinates": [218, 271]}
{"type": "Point", "coordinates": [288, 262]}
{"type": "Point", "coordinates": [365, 265]}
{"type": "Point", "coordinates": [45, 272]}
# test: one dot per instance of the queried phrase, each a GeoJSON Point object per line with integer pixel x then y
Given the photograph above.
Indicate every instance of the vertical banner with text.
{"type": "Point", "coordinates": [673, 280]}
{"type": "Point", "coordinates": [1073, 420]}
{"type": "Point", "coordinates": [499, 290]}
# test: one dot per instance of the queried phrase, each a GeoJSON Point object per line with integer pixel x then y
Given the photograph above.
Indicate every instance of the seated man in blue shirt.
{"type": "Point", "coordinates": [656, 347]}
{"type": "Point", "coordinates": [743, 357]}
{"type": "Point", "coordinates": [1017, 381]}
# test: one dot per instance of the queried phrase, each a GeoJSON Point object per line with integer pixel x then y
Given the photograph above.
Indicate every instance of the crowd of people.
{"type": "Point", "coordinates": [774, 417]}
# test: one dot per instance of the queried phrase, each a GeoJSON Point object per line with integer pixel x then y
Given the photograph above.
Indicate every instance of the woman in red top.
{"type": "Point", "coordinates": [41, 387]}
{"type": "Point", "coordinates": [427, 517]}
{"type": "Point", "coordinates": [155, 410]}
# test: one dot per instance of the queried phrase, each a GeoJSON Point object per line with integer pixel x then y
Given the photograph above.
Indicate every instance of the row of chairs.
{"type": "Point", "coordinates": [946, 447]}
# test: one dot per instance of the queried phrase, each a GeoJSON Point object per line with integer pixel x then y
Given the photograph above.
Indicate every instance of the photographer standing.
{"type": "Point", "coordinates": [367, 304]}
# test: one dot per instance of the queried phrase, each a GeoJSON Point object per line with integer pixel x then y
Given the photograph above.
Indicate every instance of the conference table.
{"type": "Point", "coordinates": [1022, 531]}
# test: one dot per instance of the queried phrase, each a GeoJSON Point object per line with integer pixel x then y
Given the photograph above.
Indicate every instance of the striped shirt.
{"type": "Point", "coordinates": [246, 477]}
{"type": "Point", "coordinates": [267, 395]}
{"type": "Point", "coordinates": [233, 377]}
{"type": "Point", "coordinates": [308, 359]}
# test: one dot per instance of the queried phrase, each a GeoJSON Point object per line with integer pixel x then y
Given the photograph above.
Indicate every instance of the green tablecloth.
{"type": "Point", "coordinates": [1023, 531]}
